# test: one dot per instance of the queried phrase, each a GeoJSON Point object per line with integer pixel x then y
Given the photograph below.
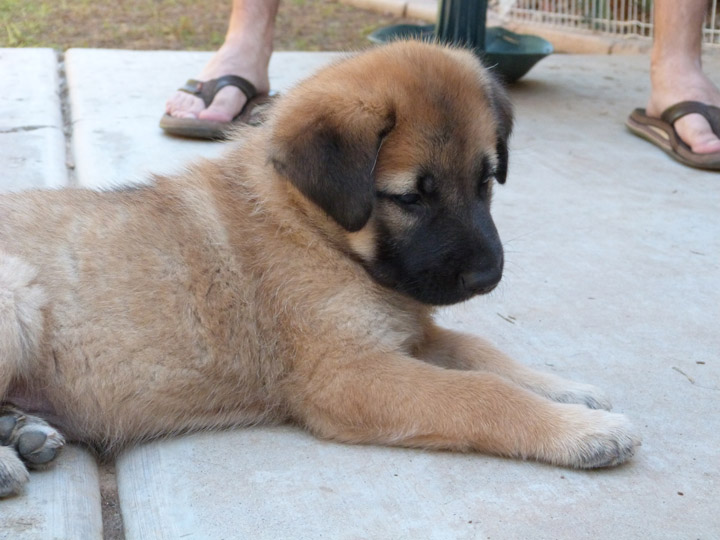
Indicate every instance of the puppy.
{"type": "Point", "coordinates": [293, 279]}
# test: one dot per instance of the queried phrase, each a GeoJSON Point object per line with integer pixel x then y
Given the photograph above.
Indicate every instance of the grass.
{"type": "Point", "coordinates": [177, 24]}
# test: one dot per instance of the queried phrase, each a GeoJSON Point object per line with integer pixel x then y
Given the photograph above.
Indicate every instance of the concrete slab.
{"type": "Point", "coordinates": [64, 501]}
{"type": "Point", "coordinates": [118, 97]}
{"type": "Point", "coordinates": [282, 483]}
{"type": "Point", "coordinates": [612, 278]}
{"type": "Point", "coordinates": [32, 147]}
{"type": "Point", "coordinates": [61, 503]}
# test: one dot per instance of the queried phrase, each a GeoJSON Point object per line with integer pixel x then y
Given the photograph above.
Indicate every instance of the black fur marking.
{"type": "Point", "coordinates": [333, 167]}
{"type": "Point", "coordinates": [428, 261]}
{"type": "Point", "coordinates": [427, 184]}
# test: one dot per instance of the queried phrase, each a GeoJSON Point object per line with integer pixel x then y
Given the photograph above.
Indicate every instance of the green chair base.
{"type": "Point", "coordinates": [511, 55]}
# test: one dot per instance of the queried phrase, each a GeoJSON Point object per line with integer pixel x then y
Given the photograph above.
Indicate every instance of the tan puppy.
{"type": "Point", "coordinates": [292, 279]}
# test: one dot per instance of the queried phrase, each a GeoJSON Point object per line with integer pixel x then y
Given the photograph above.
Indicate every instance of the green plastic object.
{"type": "Point", "coordinates": [403, 31]}
{"type": "Point", "coordinates": [462, 22]}
{"type": "Point", "coordinates": [513, 54]}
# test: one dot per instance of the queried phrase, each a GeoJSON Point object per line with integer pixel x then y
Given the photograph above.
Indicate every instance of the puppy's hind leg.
{"type": "Point", "coordinates": [21, 319]}
{"type": "Point", "coordinates": [13, 474]}
{"type": "Point", "coordinates": [22, 437]}
{"type": "Point", "coordinates": [27, 438]}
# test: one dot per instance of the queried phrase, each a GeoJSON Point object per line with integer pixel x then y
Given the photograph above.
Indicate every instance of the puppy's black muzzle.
{"type": "Point", "coordinates": [445, 260]}
{"type": "Point", "coordinates": [481, 281]}
{"type": "Point", "coordinates": [484, 267]}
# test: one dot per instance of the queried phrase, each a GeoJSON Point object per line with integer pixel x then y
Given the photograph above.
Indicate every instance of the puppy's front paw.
{"type": "Point", "coordinates": [594, 438]}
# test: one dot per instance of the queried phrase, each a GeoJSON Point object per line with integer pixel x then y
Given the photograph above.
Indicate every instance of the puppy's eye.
{"type": "Point", "coordinates": [485, 180]}
{"type": "Point", "coordinates": [483, 183]}
{"type": "Point", "coordinates": [407, 199]}
{"type": "Point", "coordinates": [486, 173]}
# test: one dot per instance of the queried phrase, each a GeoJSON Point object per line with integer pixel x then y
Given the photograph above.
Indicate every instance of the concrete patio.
{"type": "Point", "coordinates": [613, 278]}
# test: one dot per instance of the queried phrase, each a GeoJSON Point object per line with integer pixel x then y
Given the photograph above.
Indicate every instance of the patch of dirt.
{"type": "Point", "coordinates": [308, 25]}
{"type": "Point", "coordinates": [111, 517]}
{"type": "Point", "coordinates": [323, 25]}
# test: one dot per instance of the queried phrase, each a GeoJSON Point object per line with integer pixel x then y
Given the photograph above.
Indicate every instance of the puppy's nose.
{"type": "Point", "coordinates": [480, 282]}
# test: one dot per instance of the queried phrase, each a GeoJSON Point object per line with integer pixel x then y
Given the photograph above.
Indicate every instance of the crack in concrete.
{"type": "Point", "coordinates": [25, 128]}
{"type": "Point", "coordinates": [66, 112]}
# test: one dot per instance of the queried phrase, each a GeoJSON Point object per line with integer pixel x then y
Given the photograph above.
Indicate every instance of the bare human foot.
{"type": "Point", "coordinates": [229, 101]}
{"type": "Point", "coordinates": [245, 53]}
{"type": "Point", "coordinates": [690, 85]}
{"type": "Point", "coordinates": [676, 71]}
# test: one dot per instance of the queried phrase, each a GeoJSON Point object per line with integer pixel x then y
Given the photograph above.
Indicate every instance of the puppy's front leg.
{"type": "Point", "coordinates": [398, 400]}
{"type": "Point", "coordinates": [456, 350]}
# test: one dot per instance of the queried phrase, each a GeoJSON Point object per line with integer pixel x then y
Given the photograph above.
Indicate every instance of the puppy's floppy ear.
{"type": "Point", "coordinates": [327, 148]}
{"type": "Point", "coordinates": [502, 109]}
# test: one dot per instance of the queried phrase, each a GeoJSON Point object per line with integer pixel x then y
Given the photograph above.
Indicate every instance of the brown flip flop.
{"type": "Point", "coordinates": [253, 113]}
{"type": "Point", "coordinates": [660, 131]}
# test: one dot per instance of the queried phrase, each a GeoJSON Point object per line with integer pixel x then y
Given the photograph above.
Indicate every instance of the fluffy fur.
{"type": "Point", "coordinates": [292, 279]}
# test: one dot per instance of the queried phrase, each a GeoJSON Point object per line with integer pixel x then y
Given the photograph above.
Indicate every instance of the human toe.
{"type": "Point", "coordinates": [226, 105]}
{"type": "Point", "coordinates": [184, 105]}
{"type": "Point", "coordinates": [695, 131]}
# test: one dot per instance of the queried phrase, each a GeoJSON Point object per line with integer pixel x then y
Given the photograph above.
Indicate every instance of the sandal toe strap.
{"type": "Point", "coordinates": [206, 90]}
{"type": "Point", "coordinates": [710, 112]}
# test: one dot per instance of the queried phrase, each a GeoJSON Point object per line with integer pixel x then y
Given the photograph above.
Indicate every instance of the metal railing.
{"type": "Point", "coordinates": [616, 17]}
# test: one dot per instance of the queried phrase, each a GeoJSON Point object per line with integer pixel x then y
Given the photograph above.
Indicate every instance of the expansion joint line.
{"type": "Point", "coordinates": [66, 111]}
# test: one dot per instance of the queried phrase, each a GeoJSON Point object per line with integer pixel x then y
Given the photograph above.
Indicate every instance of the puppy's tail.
{"type": "Point", "coordinates": [21, 319]}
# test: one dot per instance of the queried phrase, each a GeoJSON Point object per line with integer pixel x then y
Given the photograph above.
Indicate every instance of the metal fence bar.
{"type": "Point", "coordinates": [714, 34]}
{"type": "Point", "coordinates": [614, 17]}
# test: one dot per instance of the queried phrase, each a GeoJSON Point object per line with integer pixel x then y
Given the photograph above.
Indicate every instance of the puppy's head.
{"type": "Point", "coordinates": [401, 146]}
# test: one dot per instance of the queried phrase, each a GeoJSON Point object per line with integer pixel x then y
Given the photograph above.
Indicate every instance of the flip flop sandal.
{"type": "Point", "coordinates": [253, 113]}
{"type": "Point", "coordinates": [660, 131]}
